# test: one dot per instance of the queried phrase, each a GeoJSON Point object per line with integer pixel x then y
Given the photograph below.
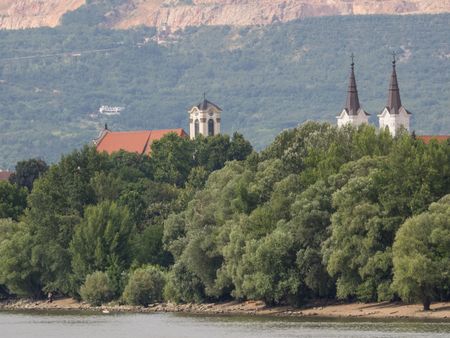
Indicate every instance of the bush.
{"type": "Point", "coordinates": [183, 286]}
{"type": "Point", "coordinates": [97, 289]}
{"type": "Point", "coordinates": [145, 286]}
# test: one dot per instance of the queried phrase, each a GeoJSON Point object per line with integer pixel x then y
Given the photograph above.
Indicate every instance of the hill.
{"type": "Point", "coordinates": [183, 13]}
{"type": "Point", "coordinates": [265, 78]}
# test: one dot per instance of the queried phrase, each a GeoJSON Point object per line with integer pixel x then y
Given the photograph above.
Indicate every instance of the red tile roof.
{"type": "Point", "coordinates": [427, 138]}
{"type": "Point", "coordinates": [4, 175]}
{"type": "Point", "coordinates": [133, 141]}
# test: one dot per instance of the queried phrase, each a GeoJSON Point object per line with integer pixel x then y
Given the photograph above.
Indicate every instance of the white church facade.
{"type": "Point", "coordinates": [393, 117]}
{"type": "Point", "coordinates": [204, 119]}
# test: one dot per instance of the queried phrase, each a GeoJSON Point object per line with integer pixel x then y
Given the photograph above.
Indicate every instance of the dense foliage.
{"type": "Point", "coordinates": [422, 255]}
{"type": "Point", "coordinates": [266, 79]}
{"type": "Point", "coordinates": [315, 215]}
{"type": "Point", "coordinates": [145, 286]}
{"type": "Point", "coordinates": [97, 289]}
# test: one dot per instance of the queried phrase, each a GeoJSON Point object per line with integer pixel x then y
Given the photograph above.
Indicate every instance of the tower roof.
{"type": "Point", "coordinates": [352, 105]}
{"type": "Point", "coordinates": [205, 104]}
{"type": "Point", "coordinates": [394, 104]}
{"type": "Point", "coordinates": [394, 100]}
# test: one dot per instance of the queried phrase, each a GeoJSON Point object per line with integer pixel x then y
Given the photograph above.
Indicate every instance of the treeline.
{"type": "Point", "coordinates": [322, 212]}
{"type": "Point", "coordinates": [265, 78]}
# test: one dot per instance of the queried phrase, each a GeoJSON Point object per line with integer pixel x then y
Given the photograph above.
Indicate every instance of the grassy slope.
{"type": "Point", "coordinates": [266, 78]}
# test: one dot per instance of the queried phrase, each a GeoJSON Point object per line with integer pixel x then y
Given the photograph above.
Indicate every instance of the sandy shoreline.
{"type": "Point", "coordinates": [355, 310]}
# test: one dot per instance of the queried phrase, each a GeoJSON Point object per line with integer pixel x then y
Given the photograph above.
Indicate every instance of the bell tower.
{"type": "Point", "coordinates": [352, 114]}
{"type": "Point", "coordinates": [394, 116]}
{"type": "Point", "coordinates": [204, 119]}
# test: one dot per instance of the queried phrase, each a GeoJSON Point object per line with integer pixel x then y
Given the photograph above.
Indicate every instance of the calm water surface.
{"type": "Point", "coordinates": [71, 325]}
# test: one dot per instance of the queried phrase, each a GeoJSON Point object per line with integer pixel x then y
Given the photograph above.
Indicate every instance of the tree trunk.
{"type": "Point", "coordinates": [426, 303]}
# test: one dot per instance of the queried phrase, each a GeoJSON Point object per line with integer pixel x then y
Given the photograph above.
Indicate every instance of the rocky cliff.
{"type": "Point", "coordinates": [179, 13]}
{"type": "Point", "coordinates": [15, 14]}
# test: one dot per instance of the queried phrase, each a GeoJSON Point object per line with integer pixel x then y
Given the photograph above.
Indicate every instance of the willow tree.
{"type": "Point", "coordinates": [421, 255]}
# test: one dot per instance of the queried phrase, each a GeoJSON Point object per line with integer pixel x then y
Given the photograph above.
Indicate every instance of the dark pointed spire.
{"type": "Point", "coordinates": [352, 105]}
{"type": "Point", "coordinates": [394, 101]}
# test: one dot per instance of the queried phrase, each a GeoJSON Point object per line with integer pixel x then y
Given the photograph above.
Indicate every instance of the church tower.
{"type": "Point", "coordinates": [394, 115]}
{"type": "Point", "coordinates": [352, 114]}
{"type": "Point", "coordinates": [204, 119]}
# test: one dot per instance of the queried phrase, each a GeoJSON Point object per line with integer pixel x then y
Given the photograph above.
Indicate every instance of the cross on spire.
{"type": "Point", "coordinates": [352, 56]}
{"type": "Point", "coordinates": [394, 58]}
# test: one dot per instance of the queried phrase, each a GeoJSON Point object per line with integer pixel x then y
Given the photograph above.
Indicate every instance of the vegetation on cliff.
{"type": "Point", "coordinates": [320, 213]}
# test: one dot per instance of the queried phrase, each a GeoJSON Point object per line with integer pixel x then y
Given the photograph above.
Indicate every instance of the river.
{"type": "Point", "coordinates": [81, 325]}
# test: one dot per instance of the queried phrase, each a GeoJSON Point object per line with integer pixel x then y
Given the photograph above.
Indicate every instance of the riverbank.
{"type": "Point", "coordinates": [354, 310]}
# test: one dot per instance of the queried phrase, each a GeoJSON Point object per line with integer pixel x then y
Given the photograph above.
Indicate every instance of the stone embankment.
{"type": "Point", "coordinates": [362, 310]}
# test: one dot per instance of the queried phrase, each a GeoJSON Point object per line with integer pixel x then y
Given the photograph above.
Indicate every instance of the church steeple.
{"type": "Point", "coordinates": [352, 114]}
{"type": "Point", "coordinates": [204, 119]}
{"type": "Point", "coordinates": [352, 105]}
{"type": "Point", "coordinates": [394, 101]}
{"type": "Point", "coordinates": [394, 116]}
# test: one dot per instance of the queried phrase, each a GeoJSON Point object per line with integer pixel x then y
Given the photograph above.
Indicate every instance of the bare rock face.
{"type": "Point", "coordinates": [18, 14]}
{"type": "Point", "coordinates": [181, 13]}
{"type": "Point", "coordinates": [15, 14]}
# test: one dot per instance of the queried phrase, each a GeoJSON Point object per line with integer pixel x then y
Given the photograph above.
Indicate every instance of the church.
{"type": "Point", "coordinates": [204, 119]}
{"type": "Point", "coordinates": [393, 116]}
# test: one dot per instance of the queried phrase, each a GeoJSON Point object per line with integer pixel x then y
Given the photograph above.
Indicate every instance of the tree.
{"type": "Point", "coordinates": [97, 289]}
{"type": "Point", "coordinates": [27, 172]}
{"type": "Point", "coordinates": [421, 255]}
{"type": "Point", "coordinates": [240, 148]}
{"type": "Point", "coordinates": [102, 243]}
{"type": "Point", "coordinates": [358, 251]}
{"type": "Point", "coordinates": [16, 269]}
{"type": "Point", "coordinates": [13, 200]}
{"type": "Point", "coordinates": [172, 158]}
{"type": "Point", "coordinates": [56, 206]}
{"type": "Point", "coordinates": [145, 286]}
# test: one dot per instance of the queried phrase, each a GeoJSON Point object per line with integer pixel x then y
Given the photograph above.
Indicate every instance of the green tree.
{"type": "Point", "coordinates": [145, 286]}
{"type": "Point", "coordinates": [27, 172]}
{"type": "Point", "coordinates": [172, 159]}
{"type": "Point", "coordinates": [56, 206]}
{"type": "Point", "coordinates": [17, 273]}
{"type": "Point", "coordinates": [421, 255]}
{"type": "Point", "coordinates": [102, 243]}
{"type": "Point", "coordinates": [13, 200]}
{"type": "Point", "coordinates": [240, 148]}
{"type": "Point", "coordinates": [97, 289]}
{"type": "Point", "coordinates": [358, 252]}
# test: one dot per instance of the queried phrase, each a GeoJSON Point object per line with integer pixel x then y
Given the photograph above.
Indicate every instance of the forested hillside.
{"type": "Point", "coordinates": [265, 78]}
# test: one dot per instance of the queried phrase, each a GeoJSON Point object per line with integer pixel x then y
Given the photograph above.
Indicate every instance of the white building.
{"type": "Point", "coordinates": [352, 114]}
{"type": "Point", "coordinates": [204, 119]}
{"type": "Point", "coordinates": [394, 116]}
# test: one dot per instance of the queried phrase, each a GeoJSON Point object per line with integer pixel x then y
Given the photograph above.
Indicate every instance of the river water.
{"type": "Point", "coordinates": [80, 325]}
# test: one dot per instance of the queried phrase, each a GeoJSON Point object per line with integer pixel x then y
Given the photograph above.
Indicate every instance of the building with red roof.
{"type": "Point", "coordinates": [5, 175]}
{"type": "Point", "coordinates": [428, 138]}
{"type": "Point", "coordinates": [132, 141]}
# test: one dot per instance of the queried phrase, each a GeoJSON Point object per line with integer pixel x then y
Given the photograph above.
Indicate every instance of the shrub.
{"type": "Point", "coordinates": [183, 286]}
{"type": "Point", "coordinates": [145, 286]}
{"type": "Point", "coordinates": [97, 289]}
